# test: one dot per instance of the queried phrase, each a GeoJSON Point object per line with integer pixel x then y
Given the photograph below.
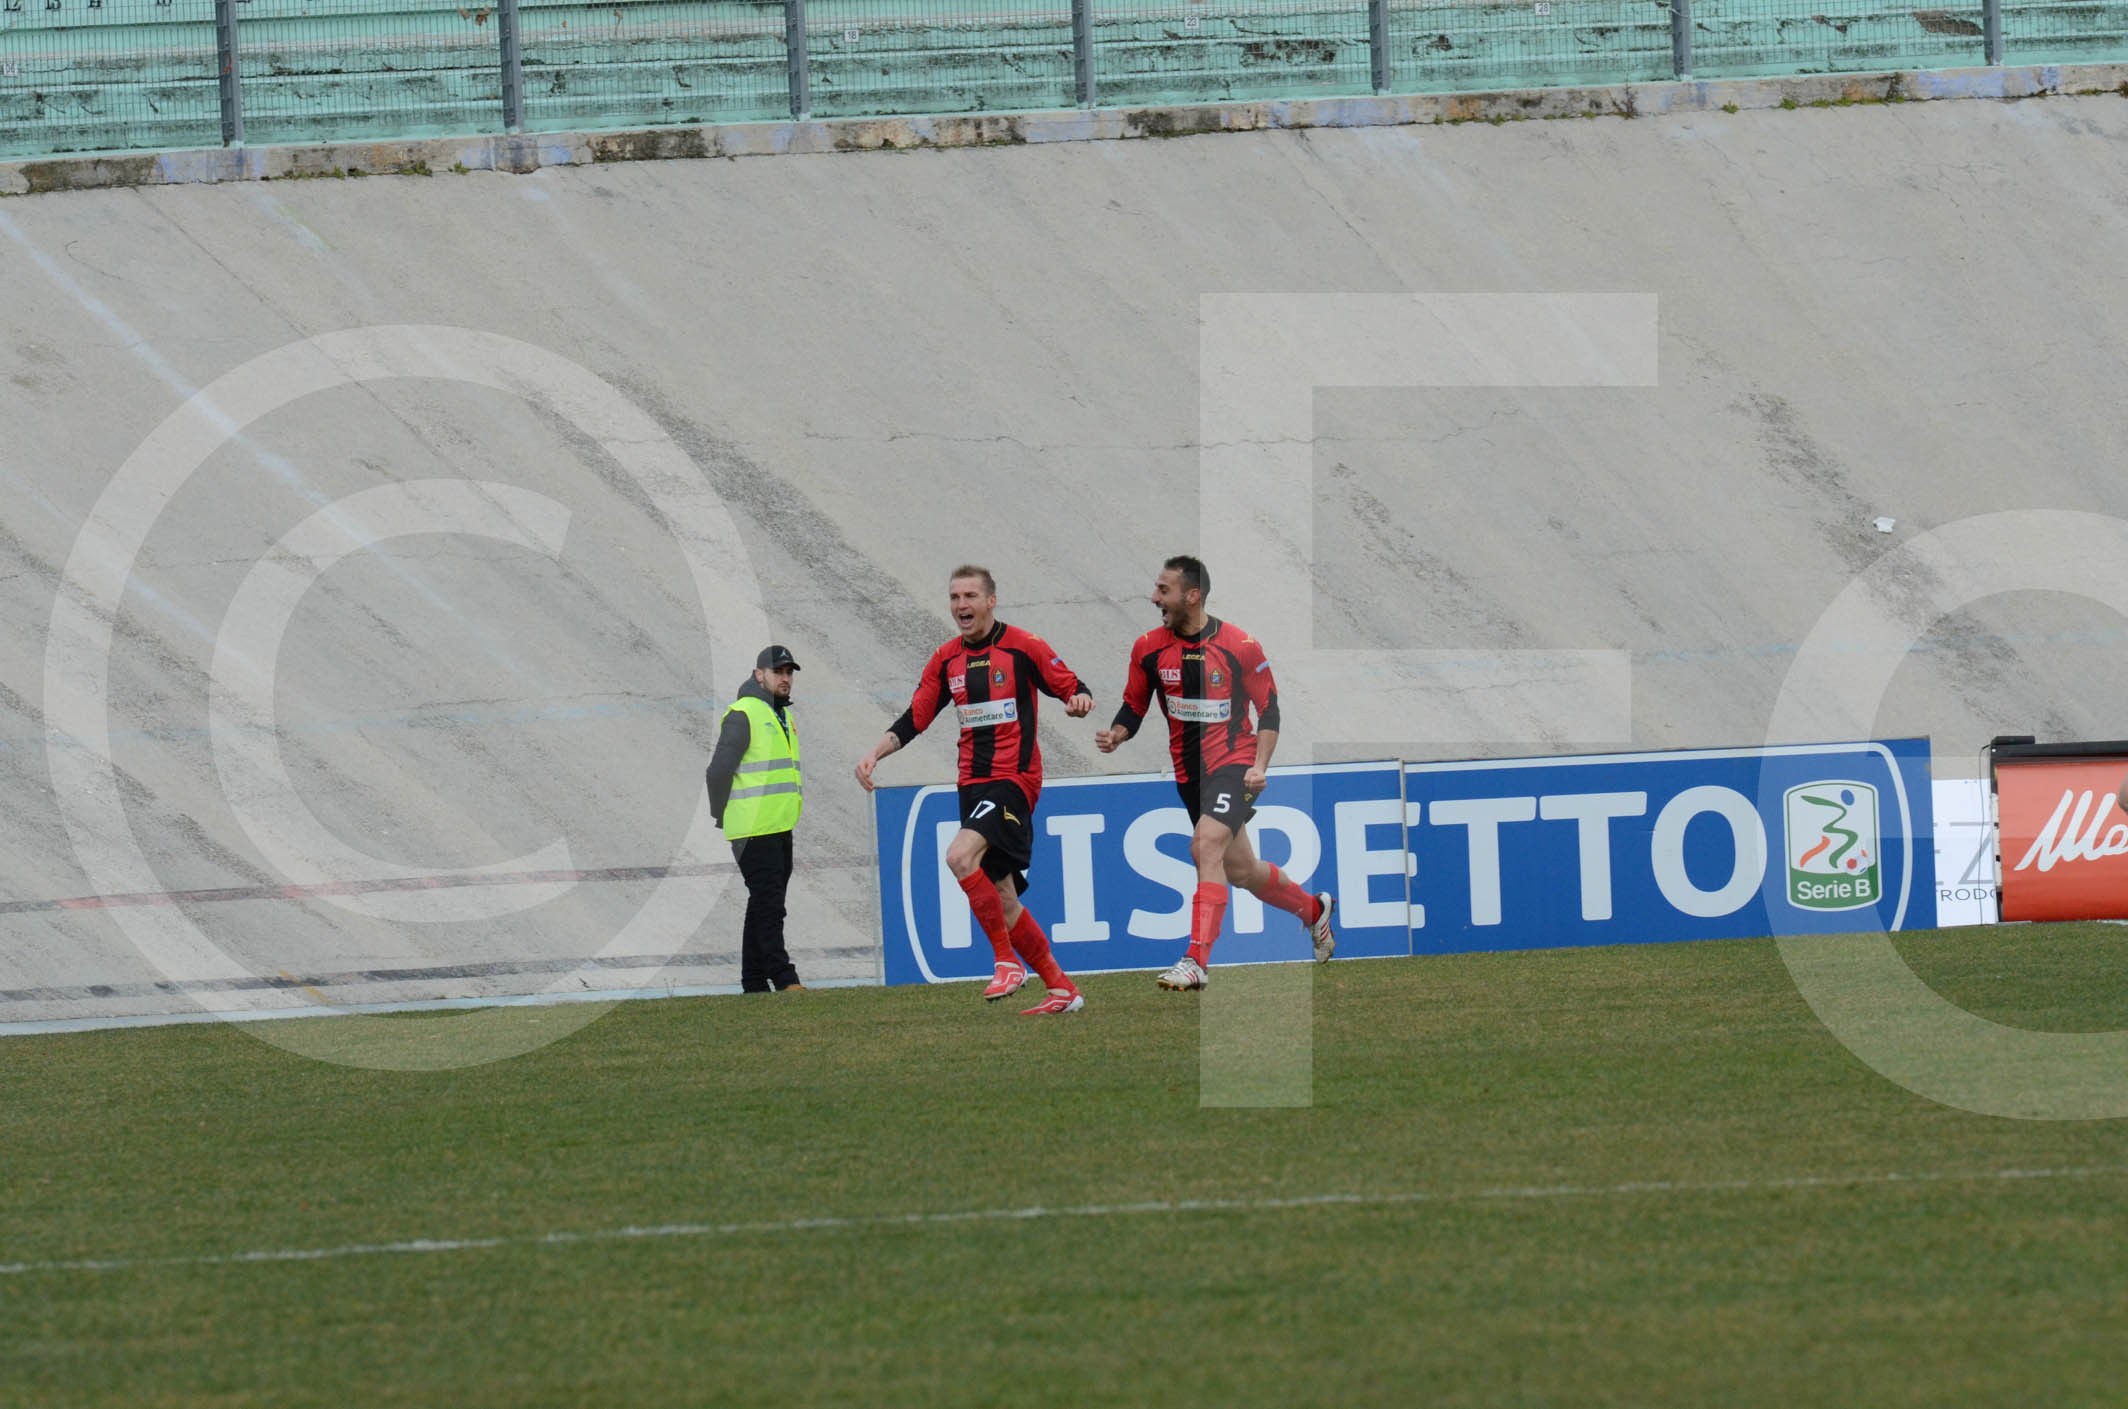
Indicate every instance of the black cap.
{"type": "Point", "coordinates": [775, 658]}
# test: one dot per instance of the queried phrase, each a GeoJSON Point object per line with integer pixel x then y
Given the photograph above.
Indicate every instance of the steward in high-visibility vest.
{"type": "Point", "coordinates": [756, 795]}
{"type": "Point", "coordinates": [766, 794]}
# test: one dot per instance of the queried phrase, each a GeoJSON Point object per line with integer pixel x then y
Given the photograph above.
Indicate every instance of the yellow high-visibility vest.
{"type": "Point", "coordinates": [766, 795]}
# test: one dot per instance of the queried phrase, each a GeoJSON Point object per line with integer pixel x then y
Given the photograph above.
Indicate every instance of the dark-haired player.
{"type": "Point", "coordinates": [991, 675]}
{"type": "Point", "coordinates": [1209, 675]}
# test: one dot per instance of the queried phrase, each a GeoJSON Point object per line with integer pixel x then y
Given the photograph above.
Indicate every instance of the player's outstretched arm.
{"type": "Point", "coordinates": [1058, 680]}
{"type": "Point", "coordinates": [924, 707]}
{"type": "Point", "coordinates": [1122, 727]}
{"type": "Point", "coordinates": [1137, 699]}
{"type": "Point", "coordinates": [888, 743]}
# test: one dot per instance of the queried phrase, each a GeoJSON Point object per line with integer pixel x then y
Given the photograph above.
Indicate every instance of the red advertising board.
{"type": "Point", "coordinates": [2063, 836]}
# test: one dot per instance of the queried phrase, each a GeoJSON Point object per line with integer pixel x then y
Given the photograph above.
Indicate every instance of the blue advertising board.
{"type": "Point", "coordinates": [1111, 880]}
{"type": "Point", "coordinates": [1693, 844]}
{"type": "Point", "coordinates": [1441, 858]}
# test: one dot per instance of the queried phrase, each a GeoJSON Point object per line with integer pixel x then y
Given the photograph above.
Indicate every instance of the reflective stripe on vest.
{"type": "Point", "coordinates": [766, 795]}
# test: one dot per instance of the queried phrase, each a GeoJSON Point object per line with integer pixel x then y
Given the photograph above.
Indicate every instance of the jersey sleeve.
{"type": "Point", "coordinates": [1137, 687]}
{"type": "Point", "coordinates": [1057, 678]}
{"type": "Point", "coordinates": [929, 699]}
{"type": "Point", "coordinates": [1257, 679]}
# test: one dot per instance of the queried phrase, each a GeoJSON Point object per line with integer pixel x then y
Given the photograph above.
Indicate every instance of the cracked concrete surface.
{"type": "Point", "coordinates": [885, 365]}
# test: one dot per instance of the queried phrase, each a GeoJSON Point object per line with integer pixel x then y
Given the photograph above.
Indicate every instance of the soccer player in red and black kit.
{"type": "Point", "coordinates": [990, 674]}
{"type": "Point", "coordinates": [1208, 674]}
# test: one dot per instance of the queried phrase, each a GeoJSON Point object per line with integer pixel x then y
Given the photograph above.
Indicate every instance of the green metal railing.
{"type": "Point", "coordinates": [131, 75]}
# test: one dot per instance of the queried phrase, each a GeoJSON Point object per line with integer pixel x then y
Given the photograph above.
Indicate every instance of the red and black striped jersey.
{"type": "Point", "coordinates": [1206, 685]}
{"type": "Point", "coordinates": [991, 686]}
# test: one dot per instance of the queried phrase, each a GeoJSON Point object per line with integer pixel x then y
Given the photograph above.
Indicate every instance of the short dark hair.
{"type": "Point", "coordinates": [1194, 572]}
{"type": "Point", "coordinates": [971, 570]}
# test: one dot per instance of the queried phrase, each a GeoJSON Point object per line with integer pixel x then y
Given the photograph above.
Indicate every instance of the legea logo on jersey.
{"type": "Point", "coordinates": [1834, 846]}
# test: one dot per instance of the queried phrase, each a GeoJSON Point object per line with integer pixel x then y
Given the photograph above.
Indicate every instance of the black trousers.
{"type": "Point", "coordinates": [765, 861]}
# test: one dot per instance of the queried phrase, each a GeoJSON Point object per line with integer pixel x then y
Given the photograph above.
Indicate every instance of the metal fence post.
{"type": "Point", "coordinates": [800, 63]}
{"type": "Point", "coordinates": [1991, 30]}
{"type": "Point", "coordinates": [513, 65]}
{"type": "Point", "coordinates": [232, 76]}
{"type": "Point", "coordinates": [1681, 37]}
{"type": "Point", "coordinates": [1378, 43]}
{"type": "Point", "coordinates": [1084, 83]}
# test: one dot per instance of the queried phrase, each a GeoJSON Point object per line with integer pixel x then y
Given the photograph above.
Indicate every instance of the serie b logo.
{"type": "Point", "coordinates": [1833, 846]}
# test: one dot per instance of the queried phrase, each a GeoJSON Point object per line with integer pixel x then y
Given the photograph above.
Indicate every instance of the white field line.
{"type": "Point", "coordinates": [1540, 1192]}
{"type": "Point", "coordinates": [45, 1027]}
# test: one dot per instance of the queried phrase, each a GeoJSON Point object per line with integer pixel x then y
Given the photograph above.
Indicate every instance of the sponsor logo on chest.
{"type": "Point", "coordinates": [989, 714]}
{"type": "Point", "coordinates": [1200, 711]}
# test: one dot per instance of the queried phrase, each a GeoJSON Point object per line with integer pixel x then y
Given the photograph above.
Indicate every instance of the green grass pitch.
{"type": "Point", "coordinates": [1635, 1176]}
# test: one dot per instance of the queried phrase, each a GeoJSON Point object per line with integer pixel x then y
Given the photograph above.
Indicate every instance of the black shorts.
{"type": "Point", "coordinates": [1220, 795]}
{"type": "Point", "coordinates": [998, 813]}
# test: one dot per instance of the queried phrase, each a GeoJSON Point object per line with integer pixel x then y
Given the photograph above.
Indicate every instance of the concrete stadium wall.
{"type": "Point", "coordinates": [884, 364]}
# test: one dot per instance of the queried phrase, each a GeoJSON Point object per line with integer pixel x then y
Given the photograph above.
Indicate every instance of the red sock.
{"type": "Point", "coordinates": [1207, 912]}
{"type": "Point", "coordinates": [1288, 897]}
{"type": "Point", "coordinates": [989, 913]}
{"type": "Point", "coordinates": [1027, 937]}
